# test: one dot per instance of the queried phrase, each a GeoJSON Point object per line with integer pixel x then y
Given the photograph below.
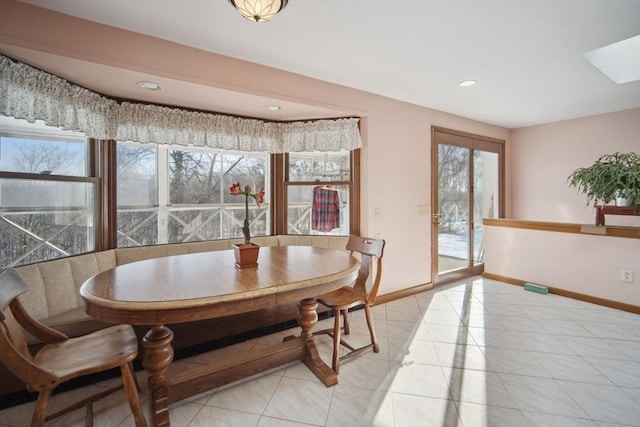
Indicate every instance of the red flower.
{"type": "Point", "coordinates": [235, 189]}
{"type": "Point", "coordinates": [260, 197]}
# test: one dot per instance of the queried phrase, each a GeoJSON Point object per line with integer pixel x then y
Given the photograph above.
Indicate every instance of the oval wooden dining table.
{"type": "Point", "coordinates": [182, 288]}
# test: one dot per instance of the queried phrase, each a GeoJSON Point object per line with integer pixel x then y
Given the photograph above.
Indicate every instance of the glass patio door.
{"type": "Point", "coordinates": [467, 188]}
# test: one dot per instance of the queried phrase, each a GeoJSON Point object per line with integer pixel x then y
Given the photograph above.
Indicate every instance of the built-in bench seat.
{"type": "Point", "coordinates": [54, 298]}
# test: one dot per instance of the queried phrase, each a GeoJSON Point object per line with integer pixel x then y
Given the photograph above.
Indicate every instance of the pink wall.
{"type": "Point", "coordinates": [544, 156]}
{"type": "Point", "coordinates": [398, 180]}
{"type": "Point", "coordinates": [541, 160]}
{"type": "Point", "coordinates": [582, 263]}
{"type": "Point", "coordinates": [397, 136]}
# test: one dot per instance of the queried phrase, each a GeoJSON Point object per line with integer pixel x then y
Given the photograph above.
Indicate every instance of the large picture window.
{"type": "Point", "coordinates": [174, 195]}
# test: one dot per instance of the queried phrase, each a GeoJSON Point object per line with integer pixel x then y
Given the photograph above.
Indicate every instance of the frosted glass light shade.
{"type": "Point", "coordinates": [259, 10]}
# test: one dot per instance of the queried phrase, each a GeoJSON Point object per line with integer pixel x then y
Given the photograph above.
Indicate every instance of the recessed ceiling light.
{"type": "Point", "coordinates": [467, 83]}
{"type": "Point", "coordinates": [149, 85]}
{"type": "Point", "coordinates": [273, 107]}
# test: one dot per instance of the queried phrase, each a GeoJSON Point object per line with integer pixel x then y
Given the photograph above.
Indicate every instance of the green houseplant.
{"type": "Point", "coordinates": [612, 176]}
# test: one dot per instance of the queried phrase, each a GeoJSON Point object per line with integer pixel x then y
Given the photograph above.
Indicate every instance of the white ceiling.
{"type": "Point", "coordinates": [527, 56]}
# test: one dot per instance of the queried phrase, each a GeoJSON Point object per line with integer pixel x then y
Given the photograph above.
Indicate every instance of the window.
{"type": "Point", "coordinates": [56, 188]}
{"type": "Point", "coordinates": [173, 195]}
{"type": "Point", "coordinates": [319, 193]}
{"type": "Point", "coordinates": [137, 195]}
{"type": "Point", "coordinates": [47, 196]}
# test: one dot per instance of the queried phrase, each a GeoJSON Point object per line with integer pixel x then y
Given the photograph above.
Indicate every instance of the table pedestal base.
{"type": "Point", "coordinates": [158, 355]}
{"type": "Point", "coordinates": [307, 319]}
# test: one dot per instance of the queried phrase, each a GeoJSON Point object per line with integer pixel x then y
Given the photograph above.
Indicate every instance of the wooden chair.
{"type": "Point", "coordinates": [347, 297]}
{"type": "Point", "coordinates": [62, 358]}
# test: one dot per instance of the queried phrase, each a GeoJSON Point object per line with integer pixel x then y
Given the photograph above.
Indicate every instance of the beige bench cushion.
{"type": "Point", "coordinates": [328, 242]}
{"type": "Point", "coordinates": [264, 241]}
{"type": "Point", "coordinates": [54, 285]}
{"type": "Point", "coordinates": [139, 253]}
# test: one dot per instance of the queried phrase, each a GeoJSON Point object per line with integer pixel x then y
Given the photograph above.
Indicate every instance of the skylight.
{"type": "Point", "coordinates": [619, 61]}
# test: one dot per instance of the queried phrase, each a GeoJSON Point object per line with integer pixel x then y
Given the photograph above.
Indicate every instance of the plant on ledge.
{"type": "Point", "coordinates": [611, 177]}
{"type": "Point", "coordinates": [236, 190]}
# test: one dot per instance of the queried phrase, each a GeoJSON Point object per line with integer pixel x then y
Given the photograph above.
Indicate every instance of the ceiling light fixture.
{"type": "Point", "coordinates": [259, 10]}
{"type": "Point", "coordinates": [273, 107]}
{"type": "Point", "coordinates": [467, 83]}
{"type": "Point", "coordinates": [149, 85]}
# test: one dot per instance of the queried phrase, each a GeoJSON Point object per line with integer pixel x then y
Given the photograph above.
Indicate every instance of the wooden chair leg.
{"type": "Point", "coordinates": [372, 332]}
{"type": "Point", "coordinates": [40, 411]}
{"type": "Point", "coordinates": [88, 418]}
{"type": "Point", "coordinates": [336, 341]}
{"type": "Point", "coordinates": [345, 318]}
{"type": "Point", "coordinates": [135, 378]}
{"type": "Point", "coordinates": [131, 388]}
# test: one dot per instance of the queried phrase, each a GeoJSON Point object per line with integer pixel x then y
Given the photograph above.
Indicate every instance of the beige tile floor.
{"type": "Point", "coordinates": [474, 353]}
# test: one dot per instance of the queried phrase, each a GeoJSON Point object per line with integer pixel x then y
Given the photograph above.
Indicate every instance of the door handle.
{"type": "Point", "coordinates": [436, 218]}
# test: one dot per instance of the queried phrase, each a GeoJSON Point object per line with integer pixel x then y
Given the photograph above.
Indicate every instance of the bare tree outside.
{"type": "Point", "coordinates": [197, 205]}
{"type": "Point", "coordinates": [454, 186]}
{"type": "Point", "coordinates": [194, 177]}
{"type": "Point", "coordinates": [45, 157]}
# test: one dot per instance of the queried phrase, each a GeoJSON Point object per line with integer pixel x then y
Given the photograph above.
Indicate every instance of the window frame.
{"type": "Point", "coordinates": [102, 174]}
{"type": "Point", "coordinates": [165, 208]}
{"type": "Point", "coordinates": [281, 181]}
{"type": "Point", "coordinates": [92, 177]}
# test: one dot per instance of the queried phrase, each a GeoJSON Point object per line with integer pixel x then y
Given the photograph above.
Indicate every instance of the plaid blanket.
{"type": "Point", "coordinates": [325, 212]}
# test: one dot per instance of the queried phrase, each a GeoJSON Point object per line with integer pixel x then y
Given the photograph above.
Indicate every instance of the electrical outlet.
{"type": "Point", "coordinates": [626, 276]}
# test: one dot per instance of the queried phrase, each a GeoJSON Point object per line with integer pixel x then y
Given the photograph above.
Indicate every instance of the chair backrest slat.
{"type": "Point", "coordinates": [14, 320]}
{"type": "Point", "coordinates": [11, 285]}
{"type": "Point", "coordinates": [366, 246]}
{"type": "Point", "coordinates": [368, 249]}
{"type": "Point", "coordinates": [12, 334]}
{"type": "Point", "coordinates": [12, 337]}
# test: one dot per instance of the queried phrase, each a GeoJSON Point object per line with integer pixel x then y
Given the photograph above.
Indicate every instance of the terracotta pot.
{"type": "Point", "coordinates": [246, 255]}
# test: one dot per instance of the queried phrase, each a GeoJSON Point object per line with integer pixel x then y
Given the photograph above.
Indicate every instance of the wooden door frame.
{"type": "Point", "coordinates": [473, 142]}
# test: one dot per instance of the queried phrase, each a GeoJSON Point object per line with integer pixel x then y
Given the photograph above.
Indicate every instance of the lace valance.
{"type": "Point", "coordinates": [31, 94]}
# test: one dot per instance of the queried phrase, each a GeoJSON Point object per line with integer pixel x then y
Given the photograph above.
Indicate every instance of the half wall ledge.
{"type": "Point", "coordinates": [578, 261]}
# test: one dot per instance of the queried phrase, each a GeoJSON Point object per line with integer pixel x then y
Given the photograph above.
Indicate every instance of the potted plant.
{"type": "Point", "coordinates": [613, 177]}
{"type": "Point", "coordinates": [246, 253]}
